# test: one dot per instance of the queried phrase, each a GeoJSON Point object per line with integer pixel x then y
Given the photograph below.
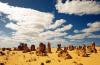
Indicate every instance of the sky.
{"type": "Point", "coordinates": [55, 21]}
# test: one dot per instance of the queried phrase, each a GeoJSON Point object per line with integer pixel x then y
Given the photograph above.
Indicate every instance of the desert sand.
{"type": "Point", "coordinates": [30, 58]}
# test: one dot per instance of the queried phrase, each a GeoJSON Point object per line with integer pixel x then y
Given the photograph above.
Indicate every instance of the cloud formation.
{"type": "Point", "coordinates": [82, 36]}
{"type": "Point", "coordinates": [30, 24]}
{"type": "Point", "coordinates": [78, 7]}
{"type": "Point", "coordinates": [87, 32]}
{"type": "Point", "coordinates": [91, 27]}
{"type": "Point", "coordinates": [57, 24]}
{"type": "Point", "coordinates": [76, 36]}
{"type": "Point", "coordinates": [64, 28]}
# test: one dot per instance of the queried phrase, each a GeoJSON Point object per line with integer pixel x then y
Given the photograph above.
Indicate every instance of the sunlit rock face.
{"type": "Point", "coordinates": [33, 47]}
{"type": "Point", "coordinates": [23, 47]}
{"type": "Point", "coordinates": [58, 47]}
{"type": "Point", "coordinates": [41, 51]}
{"type": "Point", "coordinates": [49, 47]}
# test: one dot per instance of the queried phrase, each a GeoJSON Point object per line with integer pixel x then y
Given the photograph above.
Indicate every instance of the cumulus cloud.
{"type": "Point", "coordinates": [27, 20]}
{"type": "Point", "coordinates": [76, 31]}
{"type": "Point", "coordinates": [77, 36]}
{"type": "Point", "coordinates": [94, 36]}
{"type": "Point", "coordinates": [30, 24]}
{"type": "Point", "coordinates": [78, 7]}
{"type": "Point", "coordinates": [81, 36]}
{"type": "Point", "coordinates": [57, 24]}
{"type": "Point", "coordinates": [12, 26]}
{"type": "Point", "coordinates": [52, 34]}
{"type": "Point", "coordinates": [7, 41]}
{"type": "Point", "coordinates": [92, 27]}
{"type": "Point", "coordinates": [66, 27]}
{"type": "Point", "coordinates": [86, 32]}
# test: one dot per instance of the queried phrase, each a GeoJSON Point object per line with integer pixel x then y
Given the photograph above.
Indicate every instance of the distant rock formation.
{"type": "Point", "coordinates": [70, 47]}
{"type": "Point", "coordinates": [41, 51]}
{"type": "Point", "coordinates": [91, 48]}
{"type": "Point", "coordinates": [2, 64]}
{"type": "Point", "coordinates": [23, 47]}
{"type": "Point", "coordinates": [78, 47]}
{"type": "Point", "coordinates": [84, 50]}
{"type": "Point", "coordinates": [49, 47]}
{"type": "Point", "coordinates": [65, 49]}
{"type": "Point", "coordinates": [3, 49]}
{"type": "Point", "coordinates": [33, 47]}
{"type": "Point", "coordinates": [64, 54]}
{"type": "Point", "coordinates": [15, 49]}
{"type": "Point", "coordinates": [58, 47]}
{"type": "Point", "coordinates": [2, 53]}
{"type": "Point", "coordinates": [81, 51]}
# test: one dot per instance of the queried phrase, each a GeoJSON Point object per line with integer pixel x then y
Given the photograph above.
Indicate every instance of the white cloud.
{"type": "Point", "coordinates": [76, 31]}
{"type": "Point", "coordinates": [28, 21]}
{"type": "Point", "coordinates": [33, 25]}
{"type": "Point", "coordinates": [57, 24]}
{"type": "Point", "coordinates": [87, 32]}
{"type": "Point", "coordinates": [93, 27]}
{"type": "Point", "coordinates": [52, 34]}
{"type": "Point", "coordinates": [77, 36]}
{"type": "Point", "coordinates": [78, 7]}
{"type": "Point", "coordinates": [7, 42]}
{"type": "Point", "coordinates": [26, 16]}
{"type": "Point", "coordinates": [12, 26]}
{"type": "Point", "coordinates": [94, 36]}
{"type": "Point", "coordinates": [66, 27]}
{"type": "Point", "coordinates": [81, 36]}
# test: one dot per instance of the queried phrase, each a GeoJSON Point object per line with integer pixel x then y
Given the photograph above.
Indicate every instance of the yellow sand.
{"type": "Point", "coordinates": [20, 58]}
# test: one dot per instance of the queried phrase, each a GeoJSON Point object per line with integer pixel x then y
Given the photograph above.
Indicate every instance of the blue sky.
{"type": "Point", "coordinates": [76, 24]}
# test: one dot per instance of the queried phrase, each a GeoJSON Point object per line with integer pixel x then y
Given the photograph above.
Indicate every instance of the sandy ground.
{"type": "Point", "coordinates": [19, 58]}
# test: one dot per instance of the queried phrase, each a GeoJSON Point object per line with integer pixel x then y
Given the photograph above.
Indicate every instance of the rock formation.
{"type": "Point", "coordinates": [23, 47]}
{"type": "Point", "coordinates": [2, 53]}
{"type": "Point", "coordinates": [58, 47]}
{"type": "Point", "coordinates": [94, 50]}
{"type": "Point", "coordinates": [2, 64]}
{"type": "Point", "coordinates": [65, 49]}
{"type": "Point", "coordinates": [3, 49]}
{"type": "Point", "coordinates": [32, 47]}
{"type": "Point", "coordinates": [26, 49]}
{"type": "Point", "coordinates": [70, 47]}
{"type": "Point", "coordinates": [9, 49]}
{"type": "Point", "coordinates": [64, 54]}
{"type": "Point", "coordinates": [49, 47]}
{"type": "Point", "coordinates": [41, 51]}
{"type": "Point", "coordinates": [91, 48]}
{"type": "Point", "coordinates": [81, 51]}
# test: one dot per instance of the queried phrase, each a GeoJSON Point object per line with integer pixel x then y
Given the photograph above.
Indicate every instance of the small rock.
{"type": "Point", "coordinates": [34, 59]}
{"type": "Point", "coordinates": [42, 63]}
{"type": "Point", "coordinates": [2, 64]}
{"type": "Point", "coordinates": [79, 64]}
{"type": "Point", "coordinates": [59, 61]}
{"type": "Point", "coordinates": [48, 61]}
{"type": "Point", "coordinates": [2, 53]}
